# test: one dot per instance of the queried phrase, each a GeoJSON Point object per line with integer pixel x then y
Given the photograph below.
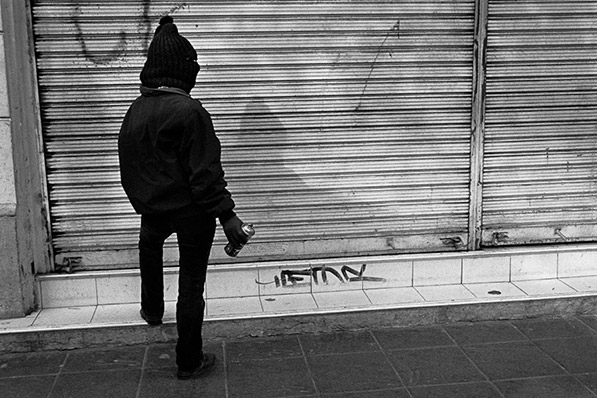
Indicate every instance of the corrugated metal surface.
{"type": "Point", "coordinates": [345, 125]}
{"type": "Point", "coordinates": [541, 123]}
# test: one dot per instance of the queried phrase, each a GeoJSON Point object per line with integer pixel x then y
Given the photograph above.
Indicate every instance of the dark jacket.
{"type": "Point", "coordinates": [170, 156]}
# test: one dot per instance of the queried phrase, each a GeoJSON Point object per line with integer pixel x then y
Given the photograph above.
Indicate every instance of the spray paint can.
{"type": "Point", "coordinates": [233, 251]}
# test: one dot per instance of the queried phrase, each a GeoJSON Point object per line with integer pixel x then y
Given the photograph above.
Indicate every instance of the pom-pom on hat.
{"type": "Point", "coordinates": [171, 59]}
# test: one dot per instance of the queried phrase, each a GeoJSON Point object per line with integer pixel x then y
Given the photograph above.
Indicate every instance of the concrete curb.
{"type": "Point", "coordinates": [86, 336]}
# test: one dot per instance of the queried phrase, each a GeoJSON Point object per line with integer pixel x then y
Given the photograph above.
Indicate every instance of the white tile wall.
{"type": "Point", "coordinates": [437, 272]}
{"type": "Point", "coordinates": [232, 283]}
{"type": "Point", "coordinates": [395, 274]}
{"type": "Point", "coordinates": [486, 269]}
{"type": "Point", "coordinates": [74, 299]}
{"type": "Point", "coordinates": [267, 285]}
{"type": "Point", "coordinates": [534, 266]}
{"type": "Point", "coordinates": [118, 289]}
{"type": "Point", "coordinates": [478, 272]}
{"type": "Point", "coordinates": [170, 286]}
{"type": "Point", "coordinates": [57, 292]}
{"type": "Point", "coordinates": [334, 280]}
{"type": "Point", "coordinates": [572, 264]}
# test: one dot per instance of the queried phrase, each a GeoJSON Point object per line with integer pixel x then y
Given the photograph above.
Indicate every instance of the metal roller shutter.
{"type": "Point", "coordinates": [345, 125]}
{"type": "Point", "coordinates": [540, 155]}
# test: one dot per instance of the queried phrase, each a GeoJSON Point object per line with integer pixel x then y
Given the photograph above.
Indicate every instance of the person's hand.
{"type": "Point", "coordinates": [234, 231]}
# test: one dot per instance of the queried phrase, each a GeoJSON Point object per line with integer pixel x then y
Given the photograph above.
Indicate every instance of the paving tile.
{"type": "Point", "coordinates": [116, 313]}
{"type": "Point", "coordinates": [585, 284]}
{"type": "Point", "coordinates": [578, 355]}
{"type": "Point", "coordinates": [445, 293]}
{"type": "Point", "coordinates": [396, 339]}
{"type": "Point", "coordinates": [544, 287]}
{"type": "Point", "coordinates": [338, 343]}
{"type": "Point", "coordinates": [438, 365]}
{"type": "Point", "coordinates": [393, 393]}
{"type": "Point", "coordinates": [495, 290]}
{"type": "Point", "coordinates": [169, 311]}
{"type": "Point", "coordinates": [341, 299]}
{"type": "Point", "coordinates": [105, 359]}
{"type": "Point", "coordinates": [352, 372]}
{"type": "Point", "coordinates": [163, 383]}
{"type": "Point", "coordinates": [35, 363]}
{"type": "Point", "coordinates": [122, 383]}
{"type": "Point", "coordinates": [511, 360]}
{"type": "Point", "coordinates": [18, 323]}
{"type": "Point", "coordinates": [65, 316]}
{"type": "Point", "coordinates": [233, 306]}
{"type": "Point", "coordinates": [589, 380]}
{"type": "Point", "coordinates": [394, 296]}
{"type": "Point", "coordinates": [274, 347]}
{"type": "Point", "coordinates": [552, 328]}
{"type": "Point", "coordinates": [464, 390]}
{"type": "Point", "coordinates": [284, 303]}
{"type": "Point", "coordinates": [589, 320]}
{"type": "Point", "coordinates": [484, 332]}
{"type": "Point", "coordinates": [163, 356]}
{"type": "Point", "coordinates": [544, 387]}
{"type": "Point", "coordinates": [271, 378]}
{"type": "Point", "coordinates": [27, 387]}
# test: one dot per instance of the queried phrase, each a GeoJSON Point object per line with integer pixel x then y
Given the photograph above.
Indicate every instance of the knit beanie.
{"type": "Point", "coordinates": [171, 59]}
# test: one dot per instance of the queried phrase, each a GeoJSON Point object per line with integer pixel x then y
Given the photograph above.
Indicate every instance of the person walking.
{"type": "Point", "coordinates": [171, 172]}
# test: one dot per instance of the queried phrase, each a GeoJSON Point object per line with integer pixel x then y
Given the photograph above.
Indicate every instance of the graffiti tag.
{"type": "Point", "coordinates": [120, 48]}
{"type": "Point", "coordinates": [347, 274]}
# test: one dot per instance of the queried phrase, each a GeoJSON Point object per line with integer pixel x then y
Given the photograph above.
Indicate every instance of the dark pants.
{"type": "Point", "coordinates": [195, 236]}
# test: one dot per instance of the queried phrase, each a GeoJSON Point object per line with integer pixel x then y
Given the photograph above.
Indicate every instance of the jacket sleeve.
{"type": "Point", "coordinates": [200, 153]}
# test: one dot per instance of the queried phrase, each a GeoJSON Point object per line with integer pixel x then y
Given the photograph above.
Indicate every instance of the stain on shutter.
{"type": "Point", "coordinates": [541, 124]}
{"type": "Point", "coordinates": [345, 125]}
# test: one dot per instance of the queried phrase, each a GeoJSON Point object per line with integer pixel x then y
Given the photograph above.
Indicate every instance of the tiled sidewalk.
{"type": "Point", "coordinates": [544, 358]}
{"type": "Point", "coordinates": [307, 302]}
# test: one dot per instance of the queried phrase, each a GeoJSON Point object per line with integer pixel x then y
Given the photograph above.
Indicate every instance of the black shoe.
{"type": "Point", "coordinates": [153, 321]}
{"type": "Point", "coordinates": [206, 365]}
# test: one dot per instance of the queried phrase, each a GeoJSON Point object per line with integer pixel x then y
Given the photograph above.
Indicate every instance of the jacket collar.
{"type": "Point", "coordinates": [149, 91]}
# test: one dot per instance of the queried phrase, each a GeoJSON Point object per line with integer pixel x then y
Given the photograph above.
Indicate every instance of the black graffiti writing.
{"type": "Point", "coordinates": [346, 274]}
{"type": "Point", "coordinates": [395, 30]}
{"type": "Point", "coordinates": [97, 59]}
{"type": "Point", "coordinates": [119, 50]}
